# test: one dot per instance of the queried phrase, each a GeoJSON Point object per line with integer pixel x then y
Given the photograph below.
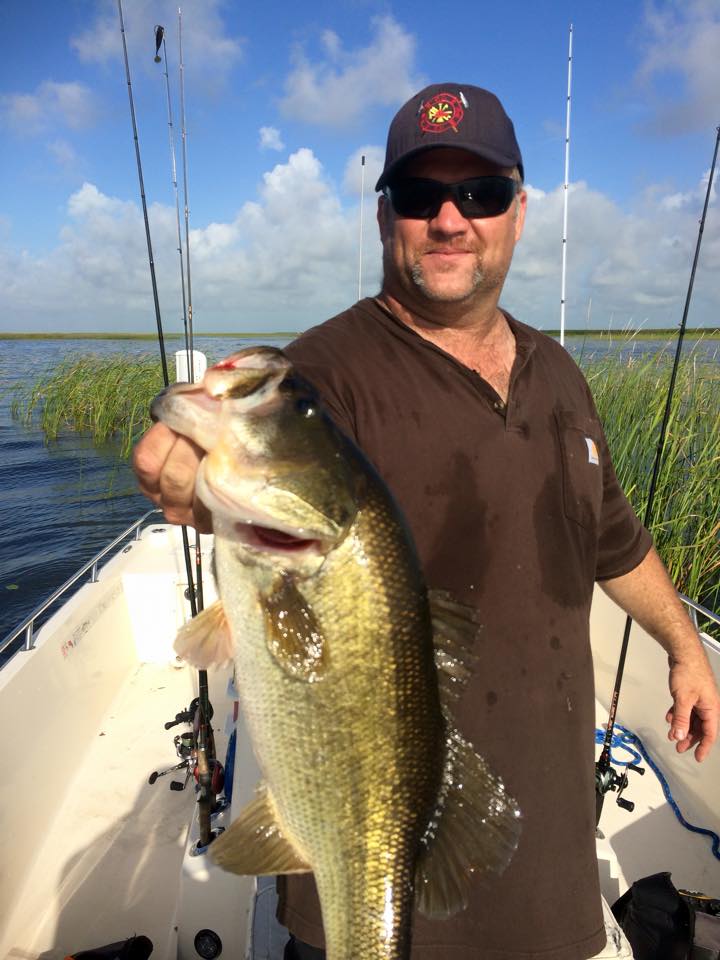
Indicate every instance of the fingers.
{"type": "Point", "coordinates": [696, 728]}
{"type": "Point", "coordinates": [166, 465]}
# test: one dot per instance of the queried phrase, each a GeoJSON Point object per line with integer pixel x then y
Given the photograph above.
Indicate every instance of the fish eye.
{"type": "Point", "coordinates": [305, 406]}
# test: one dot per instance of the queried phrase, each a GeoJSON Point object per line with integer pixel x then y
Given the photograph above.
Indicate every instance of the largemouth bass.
{"type": "Point", "coordinates": [345, 692]}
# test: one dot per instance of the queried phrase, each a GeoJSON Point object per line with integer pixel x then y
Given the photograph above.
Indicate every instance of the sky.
{"type": "Point", "coordinates": [281, 101]}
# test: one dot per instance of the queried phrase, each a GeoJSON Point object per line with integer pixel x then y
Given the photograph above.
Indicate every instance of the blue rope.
{"type": "Point", "coordinates": [623, 741]}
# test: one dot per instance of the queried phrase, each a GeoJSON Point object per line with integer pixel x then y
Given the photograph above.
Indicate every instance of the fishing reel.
{"type": "Point", "coordinates": [607, 778]}
{"type": "Point", "coordinates": [186, 747]}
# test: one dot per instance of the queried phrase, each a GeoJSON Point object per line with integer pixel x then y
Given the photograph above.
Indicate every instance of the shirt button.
{"type": "Point", "coordinates": [499, 406]}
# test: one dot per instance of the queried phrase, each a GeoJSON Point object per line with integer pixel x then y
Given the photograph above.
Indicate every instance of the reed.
{"type": "Point", "coordinates": [106, 397]}
{"type": "Point", "coordinates": [110, 398]}
{"type": "Point", "coordinates": [630, 397]}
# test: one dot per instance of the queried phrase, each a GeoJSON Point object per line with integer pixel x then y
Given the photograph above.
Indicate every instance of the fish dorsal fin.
{"type": "Point", "coordinates": [476, 828]}
{"type": "Point", "coordinates": [206, 640]}
{"type": "Point", "coordinates": [254, 844]}
{"type": "Point", "coordinates": [293, 635]}
{"type": "Point", "coordinates": [455, 631]}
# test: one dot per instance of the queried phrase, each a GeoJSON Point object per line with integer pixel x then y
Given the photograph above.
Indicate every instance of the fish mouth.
{"type": "Point", "coordinates": [256, 529]}
{"type": "Point", "coordinates": [272, 540]}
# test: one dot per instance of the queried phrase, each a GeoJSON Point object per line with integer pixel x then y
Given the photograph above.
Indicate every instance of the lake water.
{"type": "Point", "coordinates": [62, 502]}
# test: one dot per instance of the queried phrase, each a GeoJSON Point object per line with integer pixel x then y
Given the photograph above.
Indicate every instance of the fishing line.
{"type": "Point", "coordinates": [161, 340]}
{"type": "Point", "coordinates": [144, 203]}
{"type": "Point", "coordinates": [205, 741]}
{"type": "Point", "coordinates": [602, 767]}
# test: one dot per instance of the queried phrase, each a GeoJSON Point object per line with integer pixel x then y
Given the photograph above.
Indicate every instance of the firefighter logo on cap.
{"type": "Point", "coordinates": [440, 112]}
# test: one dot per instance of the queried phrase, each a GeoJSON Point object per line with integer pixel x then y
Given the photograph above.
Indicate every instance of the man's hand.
{"type": "Point", "coordinates": [695, 713]}
{"type": "Point", "coordinates": [647, 594]}
{"type": "Point", "coordinates": [166, 465]}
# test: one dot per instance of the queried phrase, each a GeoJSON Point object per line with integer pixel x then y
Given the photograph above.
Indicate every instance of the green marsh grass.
{"type": "Point", "coordinates": [105, 397]}
{"type": "Point", "coordinates": [109, 398]}
{"type": "Point", "coordinates": [630, 396]}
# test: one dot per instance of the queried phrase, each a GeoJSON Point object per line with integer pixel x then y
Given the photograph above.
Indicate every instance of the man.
{"type": "Point", "coordinates": [486, 433]}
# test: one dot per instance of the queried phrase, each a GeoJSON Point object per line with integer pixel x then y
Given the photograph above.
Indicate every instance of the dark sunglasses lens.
{"type": "Point", "coordinates": [485, 196]}
{"type": "Point", "coordinates": [479, 197]}
{"type": "Point", "coordinates": [418, 199]}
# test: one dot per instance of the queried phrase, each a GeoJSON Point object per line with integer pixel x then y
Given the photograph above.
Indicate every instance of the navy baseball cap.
{"type": "Point", "coordinates": [451, 115]}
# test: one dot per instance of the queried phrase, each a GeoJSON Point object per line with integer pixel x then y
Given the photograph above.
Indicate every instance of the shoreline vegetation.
{"type": "Point", "coordinates": [108, 398]}
{"type": "Point", "coordinates": [654, 333]}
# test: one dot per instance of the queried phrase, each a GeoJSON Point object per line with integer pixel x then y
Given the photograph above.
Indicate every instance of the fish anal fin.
{"type": "Point", "coordinates": [455, 631]}
{"type": "Point", "coordinates": [476, 828]}
{"type": "Point", "coordinates": [254, 844]}
{"type": "Point", "coordinates": [293, 635]}
{"type": "Point", "coordinates": [206, 640]}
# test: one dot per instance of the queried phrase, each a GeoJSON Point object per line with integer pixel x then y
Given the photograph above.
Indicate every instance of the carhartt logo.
{"type": "Point", "coordinates": [593, 456]}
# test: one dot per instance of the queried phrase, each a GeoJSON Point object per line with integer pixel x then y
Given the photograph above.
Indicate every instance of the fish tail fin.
{"type": "Point", "coordinates": [476, 828]}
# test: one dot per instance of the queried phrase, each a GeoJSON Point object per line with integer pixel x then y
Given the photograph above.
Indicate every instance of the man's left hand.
{"type": "Point", "coordinates": [695, 714]}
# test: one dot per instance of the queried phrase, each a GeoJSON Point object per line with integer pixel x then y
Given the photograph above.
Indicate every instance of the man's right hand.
{"type": "Point", "coordinates": [166, 465]}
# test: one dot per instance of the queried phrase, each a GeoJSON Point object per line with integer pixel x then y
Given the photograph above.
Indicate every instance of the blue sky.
{"type": "Point", "coordinates": [281, 102]}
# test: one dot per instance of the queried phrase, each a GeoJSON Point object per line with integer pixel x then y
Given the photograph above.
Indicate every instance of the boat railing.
{"type": "Point", "coordinates": [696, 610]}
{"type": "Point", "coordinates": [28, 624]}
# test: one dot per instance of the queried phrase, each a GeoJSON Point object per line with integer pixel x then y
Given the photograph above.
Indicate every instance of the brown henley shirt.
{"type": "Point", "coordinates": [515, 509]}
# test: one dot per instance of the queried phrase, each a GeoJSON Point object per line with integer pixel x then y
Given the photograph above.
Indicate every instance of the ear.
{"type": "Point", "coordinates": [384, 213]}
{"type": "Point", "coordinates": [520, 218]}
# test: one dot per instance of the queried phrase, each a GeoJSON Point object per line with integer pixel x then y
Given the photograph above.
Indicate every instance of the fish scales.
{"type": "Point", "coordinates": [354, 789]}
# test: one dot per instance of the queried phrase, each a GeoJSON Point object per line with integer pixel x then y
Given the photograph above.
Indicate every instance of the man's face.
{"type": "Point", "coordinates": [448, 259]}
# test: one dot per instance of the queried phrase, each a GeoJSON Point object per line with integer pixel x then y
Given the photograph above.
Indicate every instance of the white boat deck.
{"type": "Point", "coordinates": [110, 864]}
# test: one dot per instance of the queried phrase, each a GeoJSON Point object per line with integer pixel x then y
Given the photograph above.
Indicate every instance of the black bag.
{"type": "Point", "coordinates": [136, 948]}
{"type": "Point", "coordinates": [663, 923]}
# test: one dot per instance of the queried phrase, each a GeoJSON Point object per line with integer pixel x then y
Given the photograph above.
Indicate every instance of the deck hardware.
{"type": "Point", "coordinates": [207, 944]}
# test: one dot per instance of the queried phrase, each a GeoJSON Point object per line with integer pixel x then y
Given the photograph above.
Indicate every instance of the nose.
{"type": "Point", "coordinates": [448, 220]}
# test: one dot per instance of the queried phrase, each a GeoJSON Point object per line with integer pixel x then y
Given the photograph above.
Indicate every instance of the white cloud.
{"type": "Point", "coordinates": [52, 104]}
{"type": "Point", "coordinates": [270, 139]}
{"type": "Point", "coordinates": [683, 42]}
{"type": "Point", "coordinates": [275, 265]}
{"type": "Point", "coordinates": [289, 258]}
{"type": "Point", "coordinates": [209, 53]}
{"type": "Point", "coordinates": [338, 89]}
{"type": "Point", "coordinates": [633, 266]}
{"type": "Point", "coordinates": [64, 155]}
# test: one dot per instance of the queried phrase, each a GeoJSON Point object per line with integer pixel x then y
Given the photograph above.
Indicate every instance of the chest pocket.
{"type": "Point", "coordinates": [582, 470]}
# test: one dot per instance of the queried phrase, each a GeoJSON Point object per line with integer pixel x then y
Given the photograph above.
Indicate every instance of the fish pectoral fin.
{"type": "Point", "coordinates": [254, 844]}
{"type": "Point", "coordinates": [476, 828]}
{"type": "Point", "coordinates": [206, 639]}
{"type": "Point", "coordinates": [293, 635]}
{"type": "Point", "coordinates": [455, 631]}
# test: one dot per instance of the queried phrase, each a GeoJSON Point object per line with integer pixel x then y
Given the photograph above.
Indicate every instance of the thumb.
{"type": "Point", "coordinates": [679, 717]}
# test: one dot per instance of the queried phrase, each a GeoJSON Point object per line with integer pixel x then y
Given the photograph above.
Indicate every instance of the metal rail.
{"type": "Point", "coordinates": [28, 625]}
{"type": "Point", "coordinates": [696, 608]}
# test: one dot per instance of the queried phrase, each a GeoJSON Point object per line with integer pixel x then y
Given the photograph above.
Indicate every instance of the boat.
{"type": "Point", "coordinates": [94, 705]}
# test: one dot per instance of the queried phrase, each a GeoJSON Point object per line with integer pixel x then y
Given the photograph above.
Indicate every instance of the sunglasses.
{"type": "Point", "coordinates": [479, 197]}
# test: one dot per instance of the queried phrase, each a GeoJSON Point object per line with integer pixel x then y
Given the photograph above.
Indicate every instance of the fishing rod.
{"type": "Point", "coordinates": [362, 203]}
{"type": "Point", "coordinates": [198, 556]}
{"type": "Point", "coordinates": [205, 743]}
{"type": "Point", "coordinates": [144, 202]}
{"type": "Point", "coordinates": [160, 41]}
{"type": "Point", "coordinates": [566, 186]}
{"type": "Point", "coordinates": [606, 778]}
{"type": "Point", "coordinates": [185, 184]}
{"type": "Point", "coordinates": [161, 340]}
